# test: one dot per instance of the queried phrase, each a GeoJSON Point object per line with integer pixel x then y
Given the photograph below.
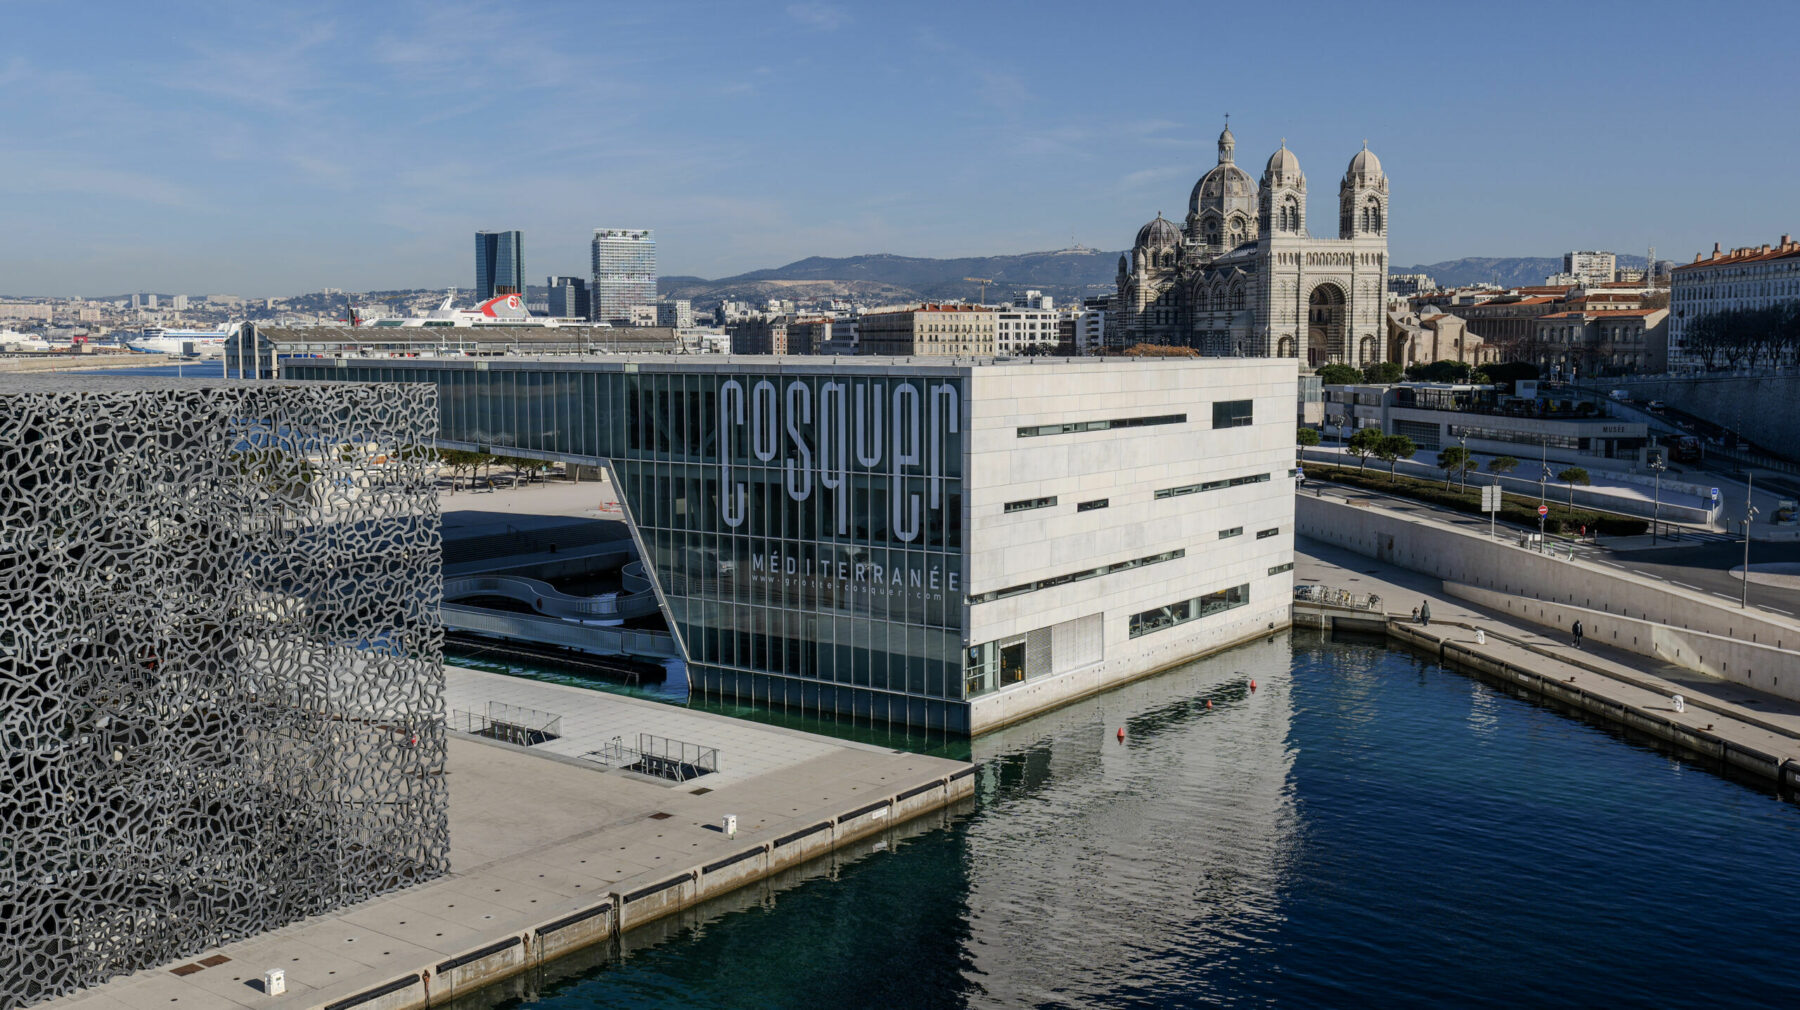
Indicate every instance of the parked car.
{"type": "Point", "coordinates": [1656, 406]}
{"type": "Point", "coordinates": [1786, 513]}
{"type": "Point", "coordinates": [1622, 395]}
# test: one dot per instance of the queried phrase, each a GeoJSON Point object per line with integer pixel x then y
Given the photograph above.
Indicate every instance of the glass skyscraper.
{"type": "Point", "coordinates": [624, 272]}
{"type": "Point", "coordinates": [499, 263]}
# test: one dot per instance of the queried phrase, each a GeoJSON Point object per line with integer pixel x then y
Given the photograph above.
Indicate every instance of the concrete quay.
{"type": "Point", "coordinates": [1752, 731]}
{"type": "Point", "coordinates": [553, 853]}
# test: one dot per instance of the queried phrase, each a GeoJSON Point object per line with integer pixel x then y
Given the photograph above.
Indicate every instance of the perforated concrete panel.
{"type": "Point", "coordinates": [221, 682]}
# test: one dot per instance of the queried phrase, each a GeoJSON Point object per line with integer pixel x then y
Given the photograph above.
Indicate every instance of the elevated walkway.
{"type": "Point", "coordinates": [635, 600]}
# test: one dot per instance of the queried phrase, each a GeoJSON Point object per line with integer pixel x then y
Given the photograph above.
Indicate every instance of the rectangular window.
{"type": "Point", "coordinates": [1188, 610]}
{"type": "Point", "coordinates": [1121, 422]}
{"type": "Point", "coordinates": [1232, 414]}
{"type": "Point", "coordinates": [1091, 573]}
{"type": "Point", "coordinates": [1235, 531]}
{"type": "Point", "coordinates": [1278, 569]}
{"type": "Point", "coordinates": [1089, 506]}
{"type": "Point", "coordinates": [1031, 503]}
{"type": "Point", "coordinates": [1266, 534]}
{"type": "Point", "coordinates": [1212, 485]}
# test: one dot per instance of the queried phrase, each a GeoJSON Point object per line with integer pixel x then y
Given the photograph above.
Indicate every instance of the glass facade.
{"type": "Point", "coordinates": [805, 528]}
{"type": "Point", "coordinates": [624, 272]}
{"type": "Point", "coordinates": [499, 263]}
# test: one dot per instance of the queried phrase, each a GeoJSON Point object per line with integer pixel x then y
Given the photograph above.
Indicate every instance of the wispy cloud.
{"type": "Point", "coordinates": [821, 16]}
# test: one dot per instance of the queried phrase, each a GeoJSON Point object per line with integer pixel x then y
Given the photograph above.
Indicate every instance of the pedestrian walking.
{"type": "Point", "coordinates": [1576, 631]}
{"type": "Point", "coordinates": [1425, 613]}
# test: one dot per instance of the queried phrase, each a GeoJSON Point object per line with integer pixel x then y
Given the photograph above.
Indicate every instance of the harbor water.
{"type": "Point", "coordinates": [1364, 828]}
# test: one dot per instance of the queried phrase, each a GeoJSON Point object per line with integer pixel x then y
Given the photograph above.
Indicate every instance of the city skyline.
{"type": "Point", "coordinates": [193, 149]}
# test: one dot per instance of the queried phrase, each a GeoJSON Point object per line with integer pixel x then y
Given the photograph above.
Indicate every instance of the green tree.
{"type": "Point", "coordinates": [1392, 449]}
{"type": "Point", "coordinates": [1339, 375]}
{"type": "Point", "coordinates": [1442, 371]}
{"type": "Point", "coordinates": [1306, 436]}
{"type": "Point", "coordinates": [1365, 443]}
{"type": "Point", "coordinates": [1455, 462]}
{"type": "Point", "coordinates": [1572, 476]}
{"type": "Point", "coordinates": [1383, 372]}
{"type": "Point", "coordinates": [1510, 371]}
{"type": "Point", "coordinates": [1503, 464]}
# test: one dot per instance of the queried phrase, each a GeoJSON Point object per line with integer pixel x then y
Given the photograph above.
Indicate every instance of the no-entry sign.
{"type": "Point", "coordinates": [1543, 510]}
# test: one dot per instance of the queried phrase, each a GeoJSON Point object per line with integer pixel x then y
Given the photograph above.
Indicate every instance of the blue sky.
{"type": "Point", "coordinates": [272, 148]}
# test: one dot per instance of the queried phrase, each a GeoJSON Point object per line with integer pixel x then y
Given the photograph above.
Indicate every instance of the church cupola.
{"type": "Point", "coordinates": [1363, 197]}
{"type": "Point", "coordinates": [1283, 194]}
{"type": "Point", "coordinates": [1222, 208]}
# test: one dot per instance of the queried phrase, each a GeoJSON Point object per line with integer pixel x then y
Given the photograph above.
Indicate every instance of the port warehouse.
{"type": "Point", "coordinates": [951, 544]}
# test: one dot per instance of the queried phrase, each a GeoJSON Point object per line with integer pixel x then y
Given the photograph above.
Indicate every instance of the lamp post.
{"type": "Point", "coordinates": [1749, 515]}
{"type": "Point", "coordinates": [1543, 479]}
{"type": "Point", "coordinates": [1463, 440]}
{"type": "Point", "coordinates": [1657, 466]}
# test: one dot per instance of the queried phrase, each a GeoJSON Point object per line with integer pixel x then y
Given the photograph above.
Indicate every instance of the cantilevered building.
{"type": "Point", "coordinates": [940, 543]}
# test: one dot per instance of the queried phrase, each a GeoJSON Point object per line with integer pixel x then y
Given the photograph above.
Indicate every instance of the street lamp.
{"type": "Point", "coordinates": [1749, 515]}
{"type": "Point", "coordinates": [1543, 479]}
{"type": "Point", "coordinates": [1463, 440]}
{"type": "Point", "coordinates": [1656, 465]}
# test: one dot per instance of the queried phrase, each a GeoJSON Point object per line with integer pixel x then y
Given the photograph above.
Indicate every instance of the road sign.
{"type": "Point", "coordinates": [1715, 494]}
{"type": "Point", "coordinates": [1490, 498]}
{"type": "Point", "coordinates": [1543, 510]}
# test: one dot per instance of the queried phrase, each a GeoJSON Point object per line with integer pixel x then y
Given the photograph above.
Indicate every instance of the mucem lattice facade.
{"type": "Point", "coordinates": [221, 675]}
{"type": "Point", "coordinates": [917, 541]}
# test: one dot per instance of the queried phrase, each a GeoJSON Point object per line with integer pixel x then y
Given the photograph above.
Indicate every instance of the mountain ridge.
{"type": "Point", "coordinates": [1066, 274]}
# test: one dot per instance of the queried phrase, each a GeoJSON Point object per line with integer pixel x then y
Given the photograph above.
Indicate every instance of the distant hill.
{"type": "Point", "coordinates": [1066, 274]}
{"type": "Point", "coordinates": [1507, 271]}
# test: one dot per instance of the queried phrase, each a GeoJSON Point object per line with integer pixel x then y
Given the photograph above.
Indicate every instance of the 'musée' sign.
{"type": "Point", "coordinates": [895, 428]}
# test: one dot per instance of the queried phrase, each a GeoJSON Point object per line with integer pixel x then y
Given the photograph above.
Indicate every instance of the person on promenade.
{"type": "Point", "coordinates": [1576, 631]}
{"type": "Point", "coordinates": [1425, 613]}
{"type": "Point", "coordinates": [1415, 615]}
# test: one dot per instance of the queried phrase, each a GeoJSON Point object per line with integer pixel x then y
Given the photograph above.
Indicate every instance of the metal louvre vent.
{"type": "Point", "coordinates": [1037, 654]}
{"type": "Point", "coordinates": [1077, 643]}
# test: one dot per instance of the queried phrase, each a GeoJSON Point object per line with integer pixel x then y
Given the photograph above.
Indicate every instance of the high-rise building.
{"type": "Point", "coordinates": [499, 263]}
{"type": "Point", "coordinates": [624, 273]}
{"type": "Point", "coordinates": [569, 298]}
{"type": "Point", "coordinates": [1590, 266]}
{"type": "Point", "coordinates": [179, 303]}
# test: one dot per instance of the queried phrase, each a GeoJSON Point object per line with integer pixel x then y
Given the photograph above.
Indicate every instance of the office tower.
{"type": "Point", "coordinates": [676, 312]}
{"type": "Point", "coordinates": [1590, 267]}
{"type": "Point", "coordinates": [569, 297]}
{"type": "Point", "coordinates": [624, 273]}
{"type": "Point", "coordinates": [499, 263]}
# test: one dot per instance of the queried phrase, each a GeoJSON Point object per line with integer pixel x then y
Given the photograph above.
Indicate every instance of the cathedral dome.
{"type": "Point", "coordinates": [1283, 168]}
{"type": "Point", "coordinates": [1158, 234]}
{"type": "Point", "coordinates": [1226, 183]}
{"type": "Point", "coordinates": [1364, 166]}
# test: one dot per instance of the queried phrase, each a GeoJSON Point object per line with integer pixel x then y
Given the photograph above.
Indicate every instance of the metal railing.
{"type": "Point", "coordinates": [507, 723]}
{"type": "Point", "coordinates": [1330, 596]}
{"type": "Point", "coordinates": [658, 756]}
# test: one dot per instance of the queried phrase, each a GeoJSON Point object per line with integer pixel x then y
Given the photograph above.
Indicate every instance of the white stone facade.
{"type": "Point", "coordinates": [1247, 277]}
{"type": "Point", "coordinates": [1757, 277]}
{"type": "Point", "coordinates": [1032, 518]}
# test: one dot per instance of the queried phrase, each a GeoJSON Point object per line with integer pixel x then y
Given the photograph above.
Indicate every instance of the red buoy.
{"type": "Point", "coordinates": [1209, 703]}
{"type": "Point", "coordinates": [1253, 685]}
{"type": "Point", "coordinates": [1121, 734]}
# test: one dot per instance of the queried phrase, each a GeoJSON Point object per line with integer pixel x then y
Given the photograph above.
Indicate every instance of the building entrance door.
{"type": "Point", "coordinates": [1012, 663]}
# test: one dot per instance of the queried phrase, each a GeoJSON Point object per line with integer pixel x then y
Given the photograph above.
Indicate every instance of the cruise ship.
{"type": "Point", "coordinates": [203, 343]}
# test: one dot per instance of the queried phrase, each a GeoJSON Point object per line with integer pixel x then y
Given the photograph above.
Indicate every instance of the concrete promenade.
{"type": "Point", "coordinates": [1754, 731]}
{"type": "Point", "coordinates": [551, 853]}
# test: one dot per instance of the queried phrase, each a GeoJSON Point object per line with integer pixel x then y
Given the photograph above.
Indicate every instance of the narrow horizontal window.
{"type": "Point", "coordinates": [1031, 503]}
{"type": "Point", "coordinates": [1067, 427]}
{"type": "Point", "coordinates": [1212, 485]}
{"type": "Point", "coordinates": [1091, 573]}
{"type": "Point", "coordinates": [1188, 610]}
{"type": "Point", "coordinates": [1266, 534]}
{"type": "Point", "coordinates": [1278, 569]}
{"type": "Point", "coordinates": [1235, 531]}
{"type": "Point", "coordinates": [1089, 506]}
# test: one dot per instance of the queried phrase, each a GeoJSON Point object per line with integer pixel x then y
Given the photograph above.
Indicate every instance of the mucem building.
{"type": "Point", "coordinates": [221, 674]}
{"type": "Point", "coordinates": [917, 541]}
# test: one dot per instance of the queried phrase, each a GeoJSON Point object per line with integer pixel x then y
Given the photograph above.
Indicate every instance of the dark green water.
{"type": "Point", "coordinates": [1365, 829]}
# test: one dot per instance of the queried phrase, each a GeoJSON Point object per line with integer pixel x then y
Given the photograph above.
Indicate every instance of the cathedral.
{"type": "Point", "coordinates": [1246, 277]}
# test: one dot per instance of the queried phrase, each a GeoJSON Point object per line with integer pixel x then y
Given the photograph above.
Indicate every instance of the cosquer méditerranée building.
{"type": "Point", "coordinates": [918, 541]}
